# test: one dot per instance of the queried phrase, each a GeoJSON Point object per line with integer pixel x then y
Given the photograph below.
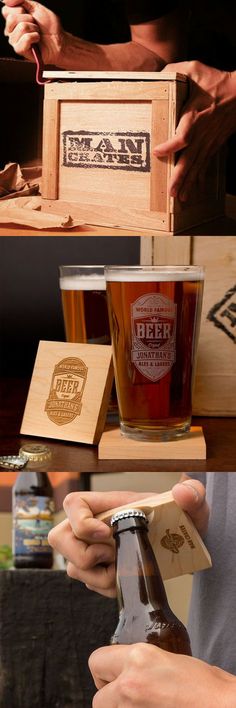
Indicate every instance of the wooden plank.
{"type": "Point", "coordinates": [177, 544]}
{"type": "Point", "coordinates": [50, 149]}
{"type": "Point", "coordinates": [111, 75]}
{"type": "Point", "coordinates": [172, 251]}
{"type": "Point", "coordinates": [159, 200]}
{"type": "Point", "coordinates": [107, 91]}
{"type": "Point", "coordinates": [114, 446]}
{"type": "Point", "coordinates": [146, 250]}
{"type": "Point", "coordinates": [123, 217]}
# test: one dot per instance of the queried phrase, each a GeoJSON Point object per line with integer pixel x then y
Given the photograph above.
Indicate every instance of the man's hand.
{"type": "Point", "coordinates": [141, 675]}
{"type": "Point", "coordinates": [87, 543]}
{"type": "Point", "coordinates": [207, 120]}
{"type": "Point", "coordinates": [30, 23]}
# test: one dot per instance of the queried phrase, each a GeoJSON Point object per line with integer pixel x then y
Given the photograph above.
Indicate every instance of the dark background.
{"type": "Point", "coordinates": [30, 303]}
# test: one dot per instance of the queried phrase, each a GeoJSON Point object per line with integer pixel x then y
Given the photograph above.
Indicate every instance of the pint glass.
{"type": "Point", "coordinates": [154, 314]}
{"type": "Point", "coordinates": [85, 313]}
{"type": "Point", "coordinates": [84, 303]}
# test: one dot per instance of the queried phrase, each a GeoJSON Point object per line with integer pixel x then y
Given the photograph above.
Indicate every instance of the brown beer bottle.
{"type": "Point", "coordinates": [144, 613]}
{"type": "Point", "coordinates": [32, 510]}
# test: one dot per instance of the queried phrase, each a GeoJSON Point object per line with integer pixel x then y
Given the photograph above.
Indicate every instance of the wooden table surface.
{"type": "Point", "coordinates": [220, 436]}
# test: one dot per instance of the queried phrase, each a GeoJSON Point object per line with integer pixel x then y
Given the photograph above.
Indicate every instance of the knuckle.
{"type": "Point", "coordinates": [130, 689]}
{"type": "Point", "coordinates": [193, 65]}
{"type": "Point", "coordinates": [72, 571]}
{"type": "Point", "coordinates": [85, 563]}
{"type": "Point", "coordinates": [69, 500]}
{"type": "Point", "coordinates": [140, 654]}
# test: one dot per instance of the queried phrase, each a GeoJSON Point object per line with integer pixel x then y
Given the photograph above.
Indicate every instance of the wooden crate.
{"type": "Point", "coordinates": [215, 380]}
{"type": "Point", "coordinates": [98, 138]}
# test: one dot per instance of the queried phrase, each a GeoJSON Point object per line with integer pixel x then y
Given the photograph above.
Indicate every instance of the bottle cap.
{"type": "Point", "coordinates": [126, 514]}
{"type": "Point", "coordinates": [35, 452]}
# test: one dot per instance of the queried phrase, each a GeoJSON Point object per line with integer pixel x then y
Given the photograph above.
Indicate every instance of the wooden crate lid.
{"type": "Point", "coordinates": [59, 75]}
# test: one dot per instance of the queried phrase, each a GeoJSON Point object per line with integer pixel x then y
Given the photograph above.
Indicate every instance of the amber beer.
{"type": "Point", "coordinates": [154, 316]}
{"type": "Point", "coordinates": [144, 612]}
{"type": "Point", "coordinates": [84, 303]}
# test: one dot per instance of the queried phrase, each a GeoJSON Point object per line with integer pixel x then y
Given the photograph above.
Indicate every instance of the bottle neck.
{"type": "Point", "coordinates": [139, 581]}
{"type": "Point", "coordinates": [35, 482]}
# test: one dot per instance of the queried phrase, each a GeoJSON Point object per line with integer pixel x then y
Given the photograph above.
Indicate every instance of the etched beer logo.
{"type": "Point", "coordinates": [116, 151]}
{"type": "Point", "coordinates": [172, 541]}
{"type": "Point", "coordinates": [153, 322]}
{"type": "Point", "coordinates": [223, 314]}
{"type": "Point", "coordinates": [64, 402]}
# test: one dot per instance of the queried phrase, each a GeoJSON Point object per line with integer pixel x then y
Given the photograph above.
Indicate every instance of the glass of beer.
{"type": "Point", "coordinates": [154, 314]}
{"type": "Point", "coordinates": [85, 313]}
{"type": "Point", "coordinates": [84, 304]}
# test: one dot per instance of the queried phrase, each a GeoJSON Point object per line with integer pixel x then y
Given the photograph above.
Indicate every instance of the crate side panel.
{"type": "Point", "coordinates": [105, 153]}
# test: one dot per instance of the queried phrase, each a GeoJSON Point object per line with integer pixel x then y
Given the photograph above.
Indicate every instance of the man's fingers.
{"type": "Point", "coordinates": [100, 579]}
{"type": "Point", "coordinates": [81, 508]}
{"type": "Point", "coordinates": [8, 13]}
{"type": "Point", "coordinates": [77, 551]}
{"type": "Point", "coordinates": [29, 5]}
{"type": "Point", "coordinates": [24, 44]}
{"type": "Point", "coordinates": [107, 663]}
{"type": "Point", "coordinates": [21, 32]}
{"type": "Point", "coordinates": [178, 142]}
{"type": "Point", "coordinates": [190, 495]}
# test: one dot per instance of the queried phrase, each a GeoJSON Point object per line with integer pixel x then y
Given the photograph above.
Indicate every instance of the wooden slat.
{"type": "Point", "coordinates": [159, 200]}
{"type": "Point", "coordinates": [51, 138]}
{"type": "Point", "coordinates": [120, 75]}
{"type": "Point", "coordinates": [109, 216]}
{"type": "Point", "coordinates": [107, 91]}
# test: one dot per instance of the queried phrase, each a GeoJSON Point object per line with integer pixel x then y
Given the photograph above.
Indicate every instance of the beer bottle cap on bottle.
{"type": "Point", "coordinates": [35, 452]}
{"type": "Point", "coordinates": [126, 514]}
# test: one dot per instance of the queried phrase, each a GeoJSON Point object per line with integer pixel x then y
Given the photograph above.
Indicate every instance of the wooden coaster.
{"type": "Point", "coordinates": [177, 545]}
{"type": "Point", "coordinates": [114, 446]}
{"type": "Point", "coordinates": [69, 392]}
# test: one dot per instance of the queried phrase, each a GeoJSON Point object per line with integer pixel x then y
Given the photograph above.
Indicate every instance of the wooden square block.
{"type": "Point", "coordinates": [178, 546]}
{"type": "Point", "coordinates": [69, 392]}
{"type": "Point", "coordinates": [114, 446]}
{"type": "Point", "coordinates": [100, 129]}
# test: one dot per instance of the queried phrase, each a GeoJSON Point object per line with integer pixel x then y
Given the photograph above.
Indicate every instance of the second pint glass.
{"type": "Point", "coordinates": [84, 302]}
{"type": "Point", "coordinates": [154, 316]}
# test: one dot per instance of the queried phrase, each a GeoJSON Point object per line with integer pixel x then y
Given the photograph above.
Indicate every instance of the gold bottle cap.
{"type": "Point", "coordinates": [35, 452]}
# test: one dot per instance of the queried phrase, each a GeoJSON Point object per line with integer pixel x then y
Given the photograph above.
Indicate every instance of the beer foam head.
{"type": "Point", "coordinates": [82, 282]}
{"type": "Point", "coordinates": [154, 273]}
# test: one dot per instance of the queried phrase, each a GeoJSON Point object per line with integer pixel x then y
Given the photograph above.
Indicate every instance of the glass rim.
{"type": "Point", "coordinates": [151, 272]}
{"type": "Point", "coordinates": [93, 266]}
{"type": "Point", "coordinates": [76, 277]}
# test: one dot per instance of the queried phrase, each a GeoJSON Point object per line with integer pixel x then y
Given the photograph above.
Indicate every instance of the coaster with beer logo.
{"type": "Point", "coordinates": [69, 392]}
{"type": "Point", "coordinates": [190, 446]}
{"type": "Point", "coordinates": [178, 546]}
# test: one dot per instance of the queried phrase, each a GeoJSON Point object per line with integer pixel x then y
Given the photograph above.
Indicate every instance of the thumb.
{"type": "Point", "coordinates": [190, 495]}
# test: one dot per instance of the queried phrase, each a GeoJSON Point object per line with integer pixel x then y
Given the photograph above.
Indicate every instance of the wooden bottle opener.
{"type": "Point", "coordinates": [177, 545]}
